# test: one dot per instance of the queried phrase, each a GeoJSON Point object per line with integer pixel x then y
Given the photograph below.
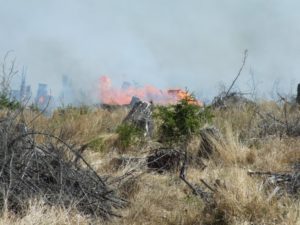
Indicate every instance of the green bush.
{"type": "Point", "coordinates": [180, 121]}
{"type": "Point", "coordinates": [128, 135]}
{"type": "Point", "coordinates": [6, 103]}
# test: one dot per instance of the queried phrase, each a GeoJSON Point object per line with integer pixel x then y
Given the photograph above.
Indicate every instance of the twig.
{"type": "Point", "coordinates": [208, 186]}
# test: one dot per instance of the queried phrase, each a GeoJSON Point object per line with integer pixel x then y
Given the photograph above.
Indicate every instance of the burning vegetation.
{"type": "Point", "coordinates": [123, 96]}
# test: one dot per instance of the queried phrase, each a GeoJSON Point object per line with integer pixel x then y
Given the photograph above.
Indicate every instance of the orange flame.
{"type": "Point", "coordinates": [118, 96]}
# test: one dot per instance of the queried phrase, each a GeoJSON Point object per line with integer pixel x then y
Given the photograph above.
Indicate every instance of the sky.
{"type": "Point", "coordinates": [197, 44]}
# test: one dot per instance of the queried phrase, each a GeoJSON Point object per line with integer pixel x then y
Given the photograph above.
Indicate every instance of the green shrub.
{"type": "Point", "coordinates": [6, 103]}
{"type": "Point", "coordinates": [180, 121]}
{"type": "Point", "coordinates": [128, 135]}
{"type": "Point", "coordinates": [97, 144]}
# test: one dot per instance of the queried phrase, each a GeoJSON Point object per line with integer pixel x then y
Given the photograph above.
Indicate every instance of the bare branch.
{"type": "Point", "coordinates": [239, 73]}
{"type": "Point", "coordinates": [7, 74]}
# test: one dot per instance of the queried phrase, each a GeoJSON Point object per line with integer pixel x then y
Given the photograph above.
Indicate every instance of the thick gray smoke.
{"type": "Point", "coordinates": [195, 43]}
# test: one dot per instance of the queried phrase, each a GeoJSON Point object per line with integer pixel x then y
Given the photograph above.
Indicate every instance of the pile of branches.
{"type": "Point", "coordinates": [286, 123]}
{"type": "Point", "coordinates": [285, 182]}
{"type": "Point", "coordinates": [164, 159]}
{"type": "Point", "coordinates": [232, 99]}
{"type": "Point", "coordinates": [52, 171]}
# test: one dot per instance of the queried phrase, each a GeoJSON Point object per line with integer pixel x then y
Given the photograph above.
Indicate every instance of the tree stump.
{"type": "Point", "coordinates": [141, 116]}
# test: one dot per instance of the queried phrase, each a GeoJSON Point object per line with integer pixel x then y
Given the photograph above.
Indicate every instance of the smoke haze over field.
{"type": "Point", "coordinates": [194, 43]}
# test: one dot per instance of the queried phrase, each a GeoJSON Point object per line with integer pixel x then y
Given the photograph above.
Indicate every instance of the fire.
{"type": "Point", "coordinates": [41, 100]}
{"type": "Point", "coordinates": [180, 94]}
{"type": "Point", "coordinates": [123, 96]}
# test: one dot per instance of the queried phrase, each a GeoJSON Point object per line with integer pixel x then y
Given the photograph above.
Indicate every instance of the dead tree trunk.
{"type": "Point", "coordinates": [298, 94]}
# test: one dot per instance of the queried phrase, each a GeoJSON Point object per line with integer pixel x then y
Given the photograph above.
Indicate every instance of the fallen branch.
{"type": "Point", "coordinates": [205, 196]}
{"type": "Point", "coordinates": [289, 181]}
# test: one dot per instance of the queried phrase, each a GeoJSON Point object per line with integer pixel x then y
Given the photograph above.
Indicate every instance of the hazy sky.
{"type": "Point", "coordinates": [169, 43]}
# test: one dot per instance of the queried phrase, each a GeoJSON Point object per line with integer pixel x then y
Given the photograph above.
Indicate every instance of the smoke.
{"type": "Point", "coordinates": [195, 44]}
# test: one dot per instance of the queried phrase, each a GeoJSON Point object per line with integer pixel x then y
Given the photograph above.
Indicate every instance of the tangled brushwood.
{"type": "Point", "coordinates": [51, 171]}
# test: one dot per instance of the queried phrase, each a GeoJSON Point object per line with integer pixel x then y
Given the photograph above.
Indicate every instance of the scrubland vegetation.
{"type": "Point", "coordinates": [235, 178]}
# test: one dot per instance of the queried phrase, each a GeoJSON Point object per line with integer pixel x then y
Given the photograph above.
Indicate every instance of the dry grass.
{"type": "Point", "coordinates": [80, 127]}
{"type": "Point", "coordinates": [164, 198]}
{"type": "Point", "coordinates": [40, 214]}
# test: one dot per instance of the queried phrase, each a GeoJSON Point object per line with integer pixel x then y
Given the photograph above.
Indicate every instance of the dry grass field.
{"type": "Point", "coordinates": [248, 144]}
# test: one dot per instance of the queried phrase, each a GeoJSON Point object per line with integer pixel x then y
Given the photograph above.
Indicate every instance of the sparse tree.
{"type": "Point", "coordinates": [8, 72]}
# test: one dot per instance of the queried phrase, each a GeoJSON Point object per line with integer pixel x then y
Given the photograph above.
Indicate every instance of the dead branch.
{"type": "Point", "coordinates": [239, 73]}
{"type": "Point", "coordinates": [288, 181]}
{"type": "Point", "coordinates": [298, 94]}
{"type": "Point", "coordinates": [205, 196]}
